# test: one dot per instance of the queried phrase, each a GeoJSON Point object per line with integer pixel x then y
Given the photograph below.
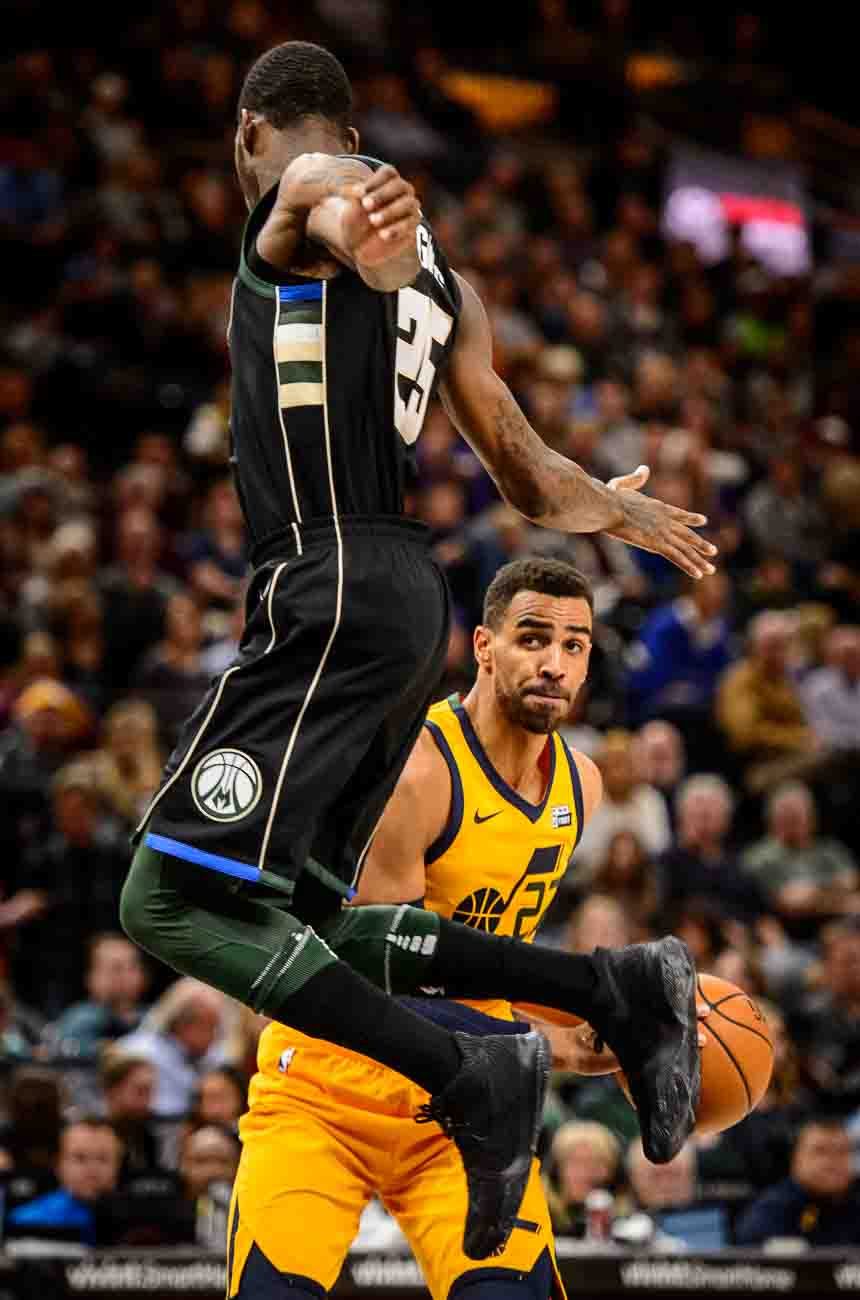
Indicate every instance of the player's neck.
{"type": "Point", "coordinates": [514, 752]}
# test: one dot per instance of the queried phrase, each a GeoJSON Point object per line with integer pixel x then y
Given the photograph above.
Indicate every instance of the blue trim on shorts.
{"type": "Point", "coordinates": [227, 866]}
{"type": "Point", "coordinates": [300, 292]}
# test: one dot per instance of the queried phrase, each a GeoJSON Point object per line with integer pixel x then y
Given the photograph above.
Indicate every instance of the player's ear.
{"type": "Point", "coordinates": [482, 645]}
{"type": "Point", "coordinates": [248, 133]}
{"type": "Point", "coordinates": [351, 140]}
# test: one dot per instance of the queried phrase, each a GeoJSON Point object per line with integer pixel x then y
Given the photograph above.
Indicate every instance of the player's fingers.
{"type": "Point", "coordinates": [633, 481]}
{"type": "Point", "coordinates": [705, 568]}
{"type": "Point", "coordinates": [690, 518]}
{"type": "Point", "coordinates": [399, 210]}
{"type": "Point", "coordinates": [694, 546]}
{"type": "Point", "coordinates": [393, 189]}
{"type": "Point", "coordinates": [400, 231]}
{"type": "Point", "coordinates": [380, 177]}
{"type": "Point", "coordinates": [679, 558]}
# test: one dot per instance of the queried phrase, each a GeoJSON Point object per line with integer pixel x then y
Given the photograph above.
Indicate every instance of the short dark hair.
{"type": "Point", "coordinates": [115, 1066]}
{"type": "Point", "coordinates": [93, 1121]}
{"type": "Point", "coordinates": [539, 573]}
{"type": "Point", "coordinates": [298, 80]}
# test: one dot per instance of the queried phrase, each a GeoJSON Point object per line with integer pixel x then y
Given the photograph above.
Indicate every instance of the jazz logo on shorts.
{"type": "Point", "coordinates": [226, 785]}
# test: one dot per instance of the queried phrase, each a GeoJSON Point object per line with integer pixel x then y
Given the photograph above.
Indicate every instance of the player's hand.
{"type": "Point", "coordinates": [382, 218]}
{"type": "Point", "coordinates": [579, 1050]}
{"type": "Point", "coordinates": [655, 526]}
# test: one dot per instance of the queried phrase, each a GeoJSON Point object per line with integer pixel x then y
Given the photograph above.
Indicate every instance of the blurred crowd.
{"type": "Point", "coordinates": [724, 715]}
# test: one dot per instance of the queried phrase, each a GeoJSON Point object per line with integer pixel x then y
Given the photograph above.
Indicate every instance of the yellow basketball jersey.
{"type": "Point", "coordinates": [500, 859]}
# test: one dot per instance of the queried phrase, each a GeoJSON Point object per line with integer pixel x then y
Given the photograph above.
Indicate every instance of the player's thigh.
{"type": "Point", "coordinates": [407, 683]}
{"type": "Point", "coordinates": [430, 1206]}
{"type": "Point", "coordinates": [297, 1201]}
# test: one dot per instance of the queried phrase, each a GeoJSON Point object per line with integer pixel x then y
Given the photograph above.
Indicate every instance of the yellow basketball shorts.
{"type": "Point", "coordinates": [326, 1130]}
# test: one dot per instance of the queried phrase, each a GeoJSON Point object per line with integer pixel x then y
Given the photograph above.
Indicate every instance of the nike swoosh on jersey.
{"type": "Point", "coordinates": [489, 816]}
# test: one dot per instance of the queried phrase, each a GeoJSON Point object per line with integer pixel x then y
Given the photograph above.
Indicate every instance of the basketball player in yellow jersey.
{"type": "Point", "coordinates": [481, 826]}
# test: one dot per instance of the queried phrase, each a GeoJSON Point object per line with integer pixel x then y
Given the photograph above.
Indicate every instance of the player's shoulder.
{"type": "Point", "coordinates": [427, 760]}
{"type": "Point", "coordinates": [590, 779]}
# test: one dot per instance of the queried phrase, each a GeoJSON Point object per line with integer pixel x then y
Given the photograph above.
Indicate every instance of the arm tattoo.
{"type": "Point", "coordinates": [542, 485]}
{"type": "Point", "coordinates": [518, 463]}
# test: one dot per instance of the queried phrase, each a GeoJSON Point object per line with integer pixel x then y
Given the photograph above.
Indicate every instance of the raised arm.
{"type": "Point", "coordinates": [414, 817]}
{"type": "Point", "coordinates": [548, 488]}
{"type": "Point", "coordinates": [365, 219]}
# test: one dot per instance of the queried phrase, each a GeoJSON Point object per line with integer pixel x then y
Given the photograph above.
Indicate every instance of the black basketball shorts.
{"type": "Point", "coordinates": [296, 748]}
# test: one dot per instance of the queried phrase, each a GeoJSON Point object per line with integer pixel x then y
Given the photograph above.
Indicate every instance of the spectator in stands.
{"type": "Point", "coordinates": [628, 805]}
{"type": "Point", "coordinates": [116, 982]}
{"type": "Point", "coordinates": [78, 871]}
{"type": "Point", "coordinates": [831, 694]}
{"type": "Point", "coordinates": [209, 1155]}
{"type": "Point", "coordinates": [759, 708]}
{"type": "Point", "coordinates": [701, 923]}
{"type": "Point", "coordinates": [181, 1037]}
{"type": "Point", "coordinates": [784, 518]}
{"type": "Point", "coordinates": [128, 1085]}
{"type": "Point", "coordinates": [584, 1156]}
{"type": "Point", "coordinates": [221, 1098]}
{"type": "Point", "coordinates": [30, 1136]}
{"type": "Point", "coordinates": [50, 722]}
{"type": "Point", "coordinates": [128, 766]}
{"type": "Point", "coordinates": [660, 759]}
{"type": "Point", "coordinates": [216, 556]}
{"type": "Point", "coordinates": [661, 1187]}
{"type": "Point", "coordinates": [172, 677]}
{"type": "Point", "coordinates": [804, 875]}
{"type": "Point", "coordinates": [668, 1194]}
{"type": "Point", "coordinates": [219, 654]}
{"type": "Point", "coordinates": [627, 875]}
{"type": "Point", "coordinates": [757, 1151]}
{"type": "Point", "coordinates": [135, 592]}
{"type": "Point", "coordinates": [599, 922]}
{"type": "Point", "coordinates": [699, 864]}
{"type": "Point", "coordinates": [87, 1168]}
{"type": "Point", "coordinates": [16, 1044]}
{"type": "Point", "coordinates": [819, 1202]}
{"type": "Point", "coordinates": [825, 1022]}
{"type": "Point", "coordinates": [679, 655]}
{"type": "Point", "coordinates": [77, 609]}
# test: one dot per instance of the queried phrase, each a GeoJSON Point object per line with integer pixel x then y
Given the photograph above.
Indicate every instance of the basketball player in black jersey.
{"type": "Point", "coordinates": [345, 320]}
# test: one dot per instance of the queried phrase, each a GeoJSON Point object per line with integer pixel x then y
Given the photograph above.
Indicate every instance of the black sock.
{"type": "Point", "coordinates": [342, 1006]}
{"type": "Point", "coordinates": [469, 964]}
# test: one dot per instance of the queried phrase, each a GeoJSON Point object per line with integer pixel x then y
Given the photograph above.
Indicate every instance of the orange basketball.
{"type": "Point", "coordinates": [737, 1060]}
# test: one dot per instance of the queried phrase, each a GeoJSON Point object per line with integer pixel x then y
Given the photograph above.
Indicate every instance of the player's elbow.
{"type": "Point", "coordinates": [525, 491]}
{"type": "Point", "coordinates": [388, 279]}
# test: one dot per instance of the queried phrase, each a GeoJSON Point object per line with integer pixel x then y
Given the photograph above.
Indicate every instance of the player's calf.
{"type": "Point", "coordinates": [492, 1109]}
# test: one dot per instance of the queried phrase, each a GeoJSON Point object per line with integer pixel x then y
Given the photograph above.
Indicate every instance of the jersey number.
{"type": "Point", "coordinates": [420, 320]}
{"type": "Point", "coordinates": [542, 863]}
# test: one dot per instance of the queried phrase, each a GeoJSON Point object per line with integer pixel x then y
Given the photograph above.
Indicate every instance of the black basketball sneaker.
{"type": "Point", "coordinates": [492, 1109]}
{"type": "Point", "coordinates": [647, 1016]}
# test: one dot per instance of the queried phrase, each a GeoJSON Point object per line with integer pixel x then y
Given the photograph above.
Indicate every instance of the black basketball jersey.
{"type": "Point", "coordinates": [331, 384]}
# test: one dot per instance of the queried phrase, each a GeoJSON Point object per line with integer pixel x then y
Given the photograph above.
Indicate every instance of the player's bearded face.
{"type": "Point", "coordinates": [538, 662]}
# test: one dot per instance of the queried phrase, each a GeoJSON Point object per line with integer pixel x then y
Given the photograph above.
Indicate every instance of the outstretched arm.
{"type": "Point", "coordinates": [548, 488]}
{"type": "Point", "coordinates": [365, 219]}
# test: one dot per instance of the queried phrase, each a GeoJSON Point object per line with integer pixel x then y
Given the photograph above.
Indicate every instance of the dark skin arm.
{"type": "Point", "coordinates": [366, 220]}
{"type": "Point", "coordinates": [548, 488]}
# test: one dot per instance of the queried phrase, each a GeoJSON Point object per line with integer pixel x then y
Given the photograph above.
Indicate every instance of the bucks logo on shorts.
{"type": "Point", "coordinates": [226, 785]}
